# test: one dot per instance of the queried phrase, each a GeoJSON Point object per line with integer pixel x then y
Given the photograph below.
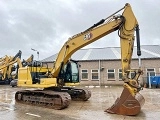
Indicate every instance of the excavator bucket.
{"type": "Point", "coordinates": [127, 104]}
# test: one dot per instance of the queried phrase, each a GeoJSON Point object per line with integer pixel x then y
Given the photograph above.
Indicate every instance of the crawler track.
{"type": "Point", "coordinates": [44, 98]}
{"type": "Point", "coordinates": [76, 94]}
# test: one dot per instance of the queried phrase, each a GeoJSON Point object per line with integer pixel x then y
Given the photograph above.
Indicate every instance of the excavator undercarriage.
{"type": "Point", "coordinates": [45, 98]}
{"type": "Point", "coordinates": [52, 97]}
{"type": "Point", "coordinates": [76, 94]}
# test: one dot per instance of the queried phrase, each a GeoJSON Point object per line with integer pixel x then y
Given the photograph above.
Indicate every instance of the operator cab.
{"type": "Point", "coordinates": [71, 72]}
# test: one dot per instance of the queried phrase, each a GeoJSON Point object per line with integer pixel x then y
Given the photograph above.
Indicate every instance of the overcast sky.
{"type": "Point", "coordinates": [46, 24]}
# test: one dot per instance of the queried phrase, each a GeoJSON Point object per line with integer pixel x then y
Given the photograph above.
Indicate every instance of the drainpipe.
{"type": "Point", "coordinates": [149, 79]}
{"type": "Point", "coordinates": [99, 72]}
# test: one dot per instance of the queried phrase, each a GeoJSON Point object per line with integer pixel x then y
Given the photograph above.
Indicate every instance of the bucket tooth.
{"type": "Point", "coordinates": [127, 104]}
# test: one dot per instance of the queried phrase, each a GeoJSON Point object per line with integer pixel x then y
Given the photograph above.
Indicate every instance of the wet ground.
{"type": "Point", "coordinates": [93, 109]}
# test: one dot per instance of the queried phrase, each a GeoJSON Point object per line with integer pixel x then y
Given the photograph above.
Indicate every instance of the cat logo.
{"type": "Point", "coordinates": [87, 36]}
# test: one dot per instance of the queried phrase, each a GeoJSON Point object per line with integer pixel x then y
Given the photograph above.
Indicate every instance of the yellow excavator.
{"type": "Point", "coordinates": [57, 93]}
{"type": "Point", "coordinates": [14, 68]}
{"type": "Point", "coordinates": [3, 61]}
{"type": "Point", "coordinates": [7, 66]}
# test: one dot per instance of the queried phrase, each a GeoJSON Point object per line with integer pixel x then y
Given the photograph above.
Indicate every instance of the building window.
{"type": "Point", "coordinates": [151, 72]}
{"type": "Point", "coordinates": [95, 74]}
{"type": "Point", "coordinates": [120, 74]}
{"type": "Point", "coordinates": [84, 74]}
{"type": "Point", "coordinates": [111, 74]}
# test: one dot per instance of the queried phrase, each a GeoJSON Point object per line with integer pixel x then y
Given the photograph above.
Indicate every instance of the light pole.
{"type": "Point", "coordinates": [37, 52]}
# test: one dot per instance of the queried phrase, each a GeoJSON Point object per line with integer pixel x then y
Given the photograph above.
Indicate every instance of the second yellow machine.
{"type": "Point", "coordinates": [65, 71]}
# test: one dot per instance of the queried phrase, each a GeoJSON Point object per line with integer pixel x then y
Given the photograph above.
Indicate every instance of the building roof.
{"type": "Point", "coordinates": [110, 53]}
